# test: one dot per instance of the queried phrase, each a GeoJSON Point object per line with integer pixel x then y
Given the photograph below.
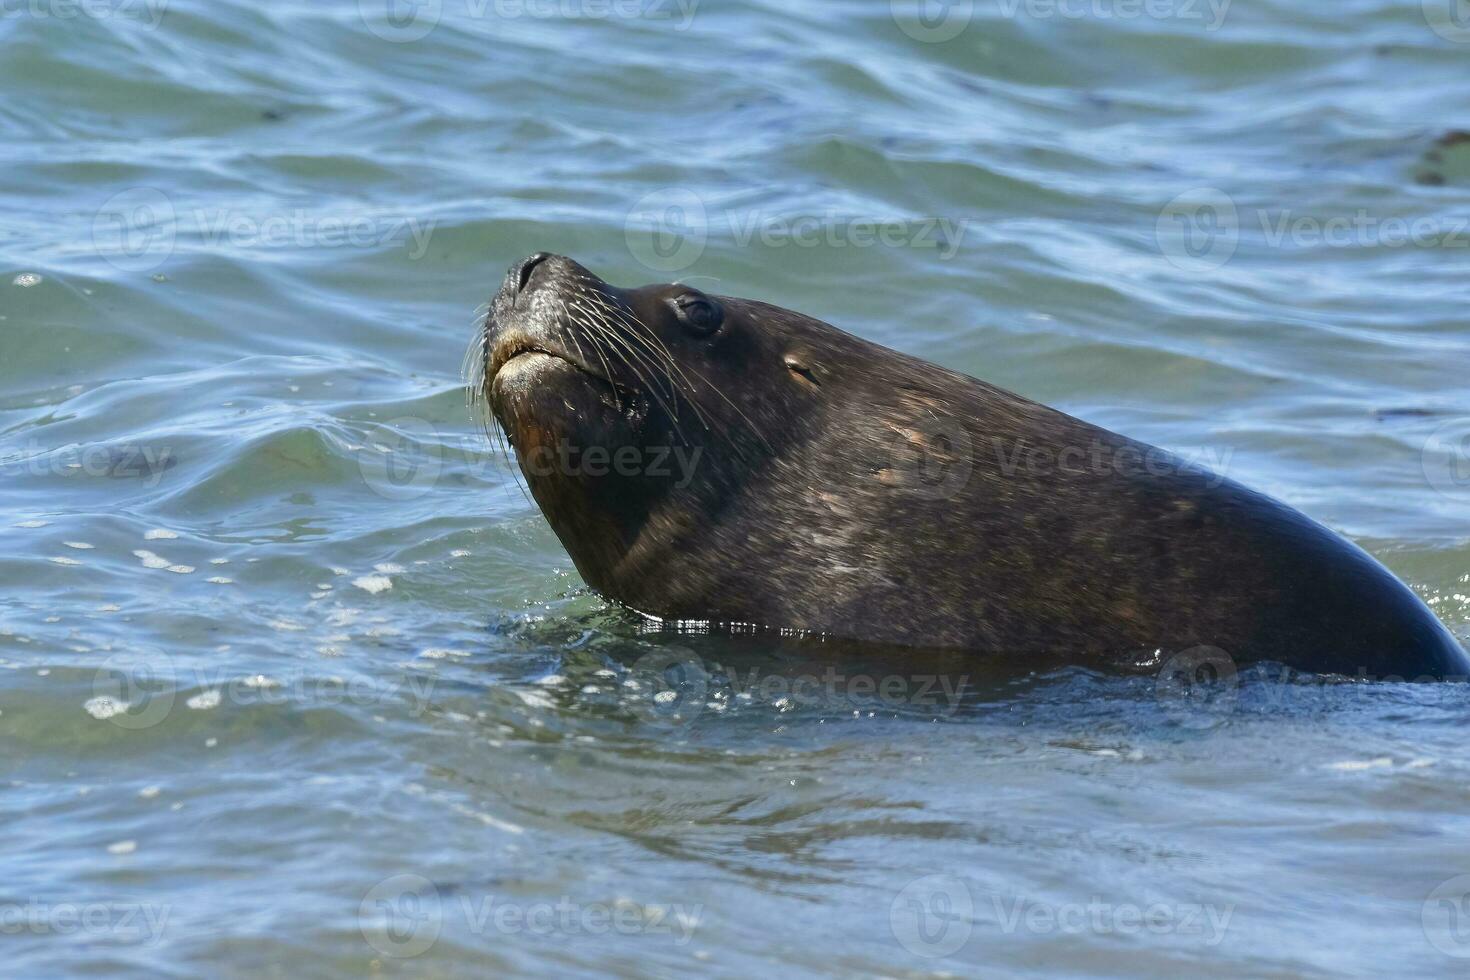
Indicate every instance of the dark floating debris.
{"type": "Point", "coordinates": [1447, 159]}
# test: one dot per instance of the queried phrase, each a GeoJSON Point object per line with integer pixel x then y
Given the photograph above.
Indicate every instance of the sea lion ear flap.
{"type": "Point", "coordinates": [802, 367]}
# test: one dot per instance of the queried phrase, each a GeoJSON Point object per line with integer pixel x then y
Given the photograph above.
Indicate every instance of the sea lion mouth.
{"type": "Point", "coordinates": [520, 359]}
{"type": "Point", "coordinates": [522, 354]}
{"type": "Point", "coordinates": [524, 349]}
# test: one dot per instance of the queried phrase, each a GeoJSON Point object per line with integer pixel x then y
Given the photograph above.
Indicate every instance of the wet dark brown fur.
{"type": "Point", "coordinates": [843, 488]}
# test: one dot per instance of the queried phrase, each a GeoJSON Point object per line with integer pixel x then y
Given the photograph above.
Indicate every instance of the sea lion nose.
{"type": "Point", "coordinates": [528, 265]}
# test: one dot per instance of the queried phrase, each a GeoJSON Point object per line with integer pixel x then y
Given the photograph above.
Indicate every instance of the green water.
{"type": "Point", "coordinates": [296, 681]}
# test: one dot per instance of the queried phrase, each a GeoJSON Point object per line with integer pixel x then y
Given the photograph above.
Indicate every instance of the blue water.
{"type": "Point", "coordinates": [296, 680]}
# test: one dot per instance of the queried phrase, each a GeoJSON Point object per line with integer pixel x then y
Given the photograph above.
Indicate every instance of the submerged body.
{"type": "Point", "coordinates": [724, 460]}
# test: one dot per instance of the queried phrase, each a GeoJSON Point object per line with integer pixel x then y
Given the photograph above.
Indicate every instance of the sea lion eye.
{"type": "Point", "coordinates": [699, 314]}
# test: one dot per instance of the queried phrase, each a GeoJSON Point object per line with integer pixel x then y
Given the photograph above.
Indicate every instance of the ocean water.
{"type": "Point", "coordinates": [295, 681]}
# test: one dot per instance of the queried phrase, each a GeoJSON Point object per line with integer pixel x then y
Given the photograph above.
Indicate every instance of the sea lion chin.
{"type": "Point", "coordinates": [723, 460]}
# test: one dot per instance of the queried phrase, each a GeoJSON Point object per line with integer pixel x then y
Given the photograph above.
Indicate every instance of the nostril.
{"type": "Point", "coordinates": [527, 267]}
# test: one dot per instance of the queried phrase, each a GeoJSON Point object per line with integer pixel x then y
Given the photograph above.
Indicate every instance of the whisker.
{"type": "Point", "coordinates": [472, 370]}
{"type": "Point", "coordinates": [753, 427]}
{"type": "Point", "coordinates": [619, 352]}
{"type": "Point", "coordinates": [617, 396]}
{"type": "Point", "coordinates": [623, 313]}
{"type": "Point", "coordinates": [609, 330]}
{"type": "Point", "coordinates": [641, 332]}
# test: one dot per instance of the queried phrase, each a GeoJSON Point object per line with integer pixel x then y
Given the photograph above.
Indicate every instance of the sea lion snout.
{"type": "Point", "coordinates": [538, 272]}
{"type": "Point", "coordinates": [520, 273]}
{"type": "Point", "coordinates": [532, 311]}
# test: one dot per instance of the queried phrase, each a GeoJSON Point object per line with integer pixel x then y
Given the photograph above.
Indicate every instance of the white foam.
{"type": "Point", "coordinates": [373, 583]}
{"type": "Point", "coordinates": [1358, 765]}
{"type": "Point", "coordinates": [203, 701]}
{"type": "Point", "coordinates": [439, 653]}
{"type": "Point", "coordinates": [104, 708]}
{"type": "Point", "coordinates": [149, 559]}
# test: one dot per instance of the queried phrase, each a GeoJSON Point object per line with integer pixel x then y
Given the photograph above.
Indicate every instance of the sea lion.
{"type": "Point", "coordinates": [727, 461]}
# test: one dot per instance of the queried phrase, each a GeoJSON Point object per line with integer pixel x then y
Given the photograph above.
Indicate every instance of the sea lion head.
{"type": "Point", "coordinates": [638, 414]}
